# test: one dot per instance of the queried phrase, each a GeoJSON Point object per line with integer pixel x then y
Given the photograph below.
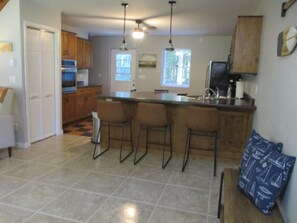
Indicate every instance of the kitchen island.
{"type": "Point", "coordinates": [235, 120]}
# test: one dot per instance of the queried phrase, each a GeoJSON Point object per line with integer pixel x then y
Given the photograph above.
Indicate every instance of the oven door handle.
{"type": "Point", "coordinates": [67, 69]}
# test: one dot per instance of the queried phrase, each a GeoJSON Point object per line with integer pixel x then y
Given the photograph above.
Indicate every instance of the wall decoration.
{"type": "Point", "coordinates": [286, 6]}
{"type": "Point", "coordinates": [287, 41]}
{"type": "Point", "coordinates": [148, 60]}
{"type": "Point", "coordinates": [3, 3]}
{"type": "Point", "coordinates": [5, 47]}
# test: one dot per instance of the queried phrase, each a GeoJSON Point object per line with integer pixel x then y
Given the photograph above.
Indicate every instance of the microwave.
{"type": "Point", "coordinates": [69, 72]}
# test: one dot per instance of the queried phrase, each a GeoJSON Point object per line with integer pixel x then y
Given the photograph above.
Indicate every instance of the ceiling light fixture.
{"type": "Point", "coordinates": [138, 32]}
{"type": "Point", "coordinates": [170, 46]}
{"type": "Point", "coordinates": [124, 44]}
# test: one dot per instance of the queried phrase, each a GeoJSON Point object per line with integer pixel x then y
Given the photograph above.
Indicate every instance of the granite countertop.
{"type": "Point", "coordinates": [246, 105]}
{"type": "Point", "coordinates": [89, 85]}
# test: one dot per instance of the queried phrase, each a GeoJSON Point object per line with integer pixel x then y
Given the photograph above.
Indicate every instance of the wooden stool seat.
{"type": "Point", "coordinates": [203, 122]}
{"type": "Point", "coordinates": [113, 114]}
{"type": "Point", "coordinates": [153, 116]}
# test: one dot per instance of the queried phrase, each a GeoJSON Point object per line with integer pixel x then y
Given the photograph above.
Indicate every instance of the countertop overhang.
{"type": "Point", "coordinates": [233, 104]}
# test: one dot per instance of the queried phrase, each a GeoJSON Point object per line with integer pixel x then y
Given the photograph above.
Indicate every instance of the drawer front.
{"type": "Point", "coordinates": [85, 90]}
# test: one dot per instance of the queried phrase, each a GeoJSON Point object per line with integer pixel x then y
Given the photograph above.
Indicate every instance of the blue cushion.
{"type": "Point", "coordinates": [265, 177]}
{"type": "Point", "coordinates": [257, 144]}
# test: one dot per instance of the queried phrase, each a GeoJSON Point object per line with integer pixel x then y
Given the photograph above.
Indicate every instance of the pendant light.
{"type": "Point", "coordinates": [138, 32]}
{"type": "Point", "coordinates": [124, 44]}
{"type": "Point", "coordinates": [170, 46]}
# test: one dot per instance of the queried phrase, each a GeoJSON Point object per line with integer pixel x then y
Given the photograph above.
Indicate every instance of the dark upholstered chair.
{"type": "Point", "coordinates": [203, 122]}
{"type": "Point", "coordinates": [112, 114]}
{"type": "Point", "coordinates": [7, 136]}
{"type": "Point", "coordinates": [153, 117]}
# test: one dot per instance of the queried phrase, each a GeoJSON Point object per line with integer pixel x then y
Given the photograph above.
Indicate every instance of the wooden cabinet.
{"type": "Point", "coordinates": [88, 50]}
{"type": "Point", "coordinates": [69, 45]}
{"type": "Point", "coordinates": [84, 53]}
{"type": "Point", "coordinates": [235, 128]}
{"type": "Point", "coordinates": [84, 102]}
{"type": "Point", "coordinates": [245, 46]}
{"type": "Point", "coordinates": [79, 105]}
{"type": "Point", "coordinates": [69, 108]}
{"type": "Point", "coordinates": [79, 54]}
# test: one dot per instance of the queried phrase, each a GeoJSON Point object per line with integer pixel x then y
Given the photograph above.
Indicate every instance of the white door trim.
{"type": "Point", "coordinates": [58, 88]}
{"type": "Point", "coordinates": [112, 68]}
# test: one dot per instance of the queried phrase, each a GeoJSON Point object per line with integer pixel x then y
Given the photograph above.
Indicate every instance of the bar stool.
{"type": "Point", "coordinates": [202, 122]}
{"type": "Point", "coordinates": [153, 117]}
{"type": "Point", "coordinates": [112, 114]}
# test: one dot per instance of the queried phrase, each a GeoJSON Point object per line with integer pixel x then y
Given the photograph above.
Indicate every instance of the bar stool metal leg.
{"type": "Point", "coordinates": [121, 151]}
{"type": "Point", "coordinates": [215, 154]}
{"type": "Point", "coordinates": [220, 194]}
{"type": "Point", "coordinates": [9, 151]}
{"type": "Point", "coordinates": [146, 146]}
{"type": "Point", "coordinates": [187, 150]}
{"type": "Point", "coordinates": [96, 143]}
{"type": "Point", "coordinates": [164, 147]}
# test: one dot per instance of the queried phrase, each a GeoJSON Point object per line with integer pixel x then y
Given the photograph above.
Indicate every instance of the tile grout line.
{"type": "Point", "coordinates": [109, 197]}
{"type": "Point", "coordinates": [88, 172]}
{"type": "Point", "coordinates": [209, 197]}
{"type": "Point", "coordinates": [156, 205]}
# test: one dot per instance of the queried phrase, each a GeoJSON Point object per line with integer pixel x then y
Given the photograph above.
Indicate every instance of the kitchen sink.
{"type": "Point", "coordinates": [205, 97]}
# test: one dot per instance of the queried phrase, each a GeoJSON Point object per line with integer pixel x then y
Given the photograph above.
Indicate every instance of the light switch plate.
{"type": "Point", "coordinates": [11, 63]}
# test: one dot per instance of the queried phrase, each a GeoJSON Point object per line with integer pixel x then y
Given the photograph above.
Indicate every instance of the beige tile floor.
{"type": "Point", "coordinates": [56, 180]}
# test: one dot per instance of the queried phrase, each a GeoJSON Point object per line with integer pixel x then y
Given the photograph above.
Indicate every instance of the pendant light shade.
{"type": "Point", "coordinates": [170, 46]}
{"type": "Point", "coordinates": [124, 44]}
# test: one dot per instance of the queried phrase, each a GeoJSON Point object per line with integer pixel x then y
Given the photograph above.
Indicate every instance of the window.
{"type": "Point", "coordinates": [176, 68]}
{"type": "Point", "coordinates": [123, 67]}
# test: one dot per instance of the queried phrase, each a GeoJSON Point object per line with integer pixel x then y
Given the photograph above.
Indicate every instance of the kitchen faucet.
{"type": "Point", "coordinates": [215, 94]}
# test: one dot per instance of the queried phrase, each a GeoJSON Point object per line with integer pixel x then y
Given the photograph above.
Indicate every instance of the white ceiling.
{"type": "Point", "coordinates": [190, 17]}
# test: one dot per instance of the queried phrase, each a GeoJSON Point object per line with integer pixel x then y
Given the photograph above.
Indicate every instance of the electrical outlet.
{"type": "Point", "coordinates": [12, 79]}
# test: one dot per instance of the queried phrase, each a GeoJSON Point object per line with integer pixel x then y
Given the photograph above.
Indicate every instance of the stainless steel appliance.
{"type": "Point", "coordinates": [217, 76]}
{"type": "Point", "coordinates": [69, 72]}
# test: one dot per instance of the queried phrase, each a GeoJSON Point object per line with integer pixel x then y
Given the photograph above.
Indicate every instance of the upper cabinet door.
{"type": "Point", "coordinates": [88, 54]}
{"type": "Point", "coordinates": [68, 45]}
{"type": "Point", "coordinates": [245, 46]}
{"type": "Point", "coordinates": [84, 53]}
{"type": "Point", "coordinates": [80, 54]}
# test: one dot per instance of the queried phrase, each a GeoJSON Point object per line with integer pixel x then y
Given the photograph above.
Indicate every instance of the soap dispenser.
{"type": "Point", "coordinates": [239, 89]}
{"type": "Point", "coordinates": [229, 91]}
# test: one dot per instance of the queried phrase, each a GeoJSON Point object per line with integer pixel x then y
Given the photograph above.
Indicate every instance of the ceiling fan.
{"type": "Point", "coordinates": [141, 29]}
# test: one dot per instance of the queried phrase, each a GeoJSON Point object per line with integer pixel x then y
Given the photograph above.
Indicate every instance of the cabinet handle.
{"type": "Point", "coordinates": [48, 95]}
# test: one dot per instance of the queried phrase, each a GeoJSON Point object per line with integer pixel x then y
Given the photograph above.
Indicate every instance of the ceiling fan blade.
{"type": "Point", "coordinates": [147, 26]}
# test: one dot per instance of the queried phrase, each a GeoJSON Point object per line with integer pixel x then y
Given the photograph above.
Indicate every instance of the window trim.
{"type": "Point", "coordinates": [163, 70]}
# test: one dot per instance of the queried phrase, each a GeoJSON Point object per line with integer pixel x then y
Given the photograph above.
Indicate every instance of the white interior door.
{"type": "Point", "coordinates": [48, 84]}
{"type": "Point", "coordinates": [41, 89]}
{"type": "Point", "coordinates": [123, 66]}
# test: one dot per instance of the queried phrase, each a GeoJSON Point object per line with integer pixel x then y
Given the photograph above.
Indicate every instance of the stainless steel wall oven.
{"type": "Point", "coordinates": [69, 72]}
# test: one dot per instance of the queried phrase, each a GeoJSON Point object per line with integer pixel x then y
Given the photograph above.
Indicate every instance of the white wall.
{"type": "Point", "coordinates": [204, 49]}
{"type": "Point", "coordinates": [11, 29]}
{"type": "Point", "coordinates": [40, 16]}
{"type": "Point", "coordinates": [276, 83]}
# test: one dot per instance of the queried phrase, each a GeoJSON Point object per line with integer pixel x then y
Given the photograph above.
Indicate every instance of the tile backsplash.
{"type": "Point", "coordinates": [83, 75]}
